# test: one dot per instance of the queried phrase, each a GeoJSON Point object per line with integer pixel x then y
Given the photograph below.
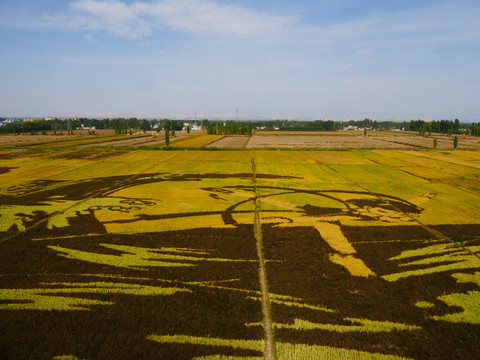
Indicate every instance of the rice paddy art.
{"type": "Point", "coordinates": [142, 258]}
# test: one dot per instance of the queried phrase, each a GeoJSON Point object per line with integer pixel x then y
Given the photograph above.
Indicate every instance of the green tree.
{"type": "Point", "coordinates": [456, 126]}
{"type": "Point", "coordinates": [455, 142]}
{"type": "Point", "coordinates": [145, 125]}
{"type": "Point", "coordinates": [364, 132]}
{"type": "Point", "coordinates": [167, 136]}
{"type": "Point", "coordinates": [435, 143]}
{"type": "Point", "coordinates": [188, 129]}
{"type": "Point", "coordinates": [422, 130]}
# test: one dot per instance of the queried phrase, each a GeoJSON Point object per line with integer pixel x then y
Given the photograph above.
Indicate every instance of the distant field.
{"type": "Point", "coordinates": [355, 140]}
{"type": "Point", "coordinates": [146, 254]}
{"type": "Point", "coordinates": [260, 140]}
{"type": "Point", "coordinates": [196, 141]}
{"type": "Point", "coordinates": [326, 142]}
{"type": "Point", "coordinates": [231, 142]}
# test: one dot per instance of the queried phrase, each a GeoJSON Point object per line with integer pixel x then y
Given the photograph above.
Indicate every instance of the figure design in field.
{"type": "Point", "coordinates": [140, 237]}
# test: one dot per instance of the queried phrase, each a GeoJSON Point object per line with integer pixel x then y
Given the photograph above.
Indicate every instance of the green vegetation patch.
{"type": "Point", "coordinates": [60, 296]}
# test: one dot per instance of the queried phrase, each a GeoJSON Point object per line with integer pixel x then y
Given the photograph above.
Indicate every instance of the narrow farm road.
{"type": "Point", "coordinates": [270, 351]}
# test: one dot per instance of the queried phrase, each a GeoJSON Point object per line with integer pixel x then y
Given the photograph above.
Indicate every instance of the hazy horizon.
{"type": "Point", "coordinates": [301, 60]}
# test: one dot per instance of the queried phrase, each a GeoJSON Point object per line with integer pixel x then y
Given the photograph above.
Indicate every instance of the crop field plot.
{"type": "Point", "coordinates": [196, 141]}
{"type": "Point", "coordinates": [239, 254]}
{"type": "Point", "coordinates": [325, 142]}
{"type": "Point", "coordinates": [231, 142]}
{"type": "Point", "coordinates": [354, 140]}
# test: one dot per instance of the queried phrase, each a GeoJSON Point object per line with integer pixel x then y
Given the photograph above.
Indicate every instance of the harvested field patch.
{"type": "Point", "coordinates": [131, 141]}
{"type": "Point", "coordinates": [326, 142]}
{"type": "Point", "coordinates": [231, 142]}
{"type": "Point", "coordinates": [59, 141]}
{"type": "Point", "coordinates": [9, 140]}
{"type": "Point", "coordinates": [427, 142]}
{"type": "Point", "coordinates": [307, 133]}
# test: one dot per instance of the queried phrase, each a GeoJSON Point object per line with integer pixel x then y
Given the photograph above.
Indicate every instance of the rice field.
{"type": "Point", "coordinates": [239, 254]}
{"type": "Point", "coordinates": [196, 141]}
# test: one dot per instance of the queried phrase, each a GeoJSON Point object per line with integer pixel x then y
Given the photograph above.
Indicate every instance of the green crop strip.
{"type": "Point", "coordinates": [455, 257]}
{"type": "Point", "coordinates": [470, 304]}
{"type": "Point", "coordinates": [285, 351]}
{"type": "Point", "coordinates": [291, 302]}
{"type": "Point", "coordinates": [468, 301]}
{"type": "Point", "coordinates": [58, 299]}
{"type": "Point", "coordinates": [140, 258]}
{"type": "Point", "coordinates": [424, 304]}
{"type": "Point", "coordinates": [364, 325]}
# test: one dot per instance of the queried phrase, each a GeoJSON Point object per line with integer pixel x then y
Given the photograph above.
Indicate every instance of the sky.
{"type": "Point", "coordinates": [302, 59]}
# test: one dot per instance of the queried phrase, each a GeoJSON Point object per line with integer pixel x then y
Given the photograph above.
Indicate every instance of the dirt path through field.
{"type": "Point", "coordinates": [270, 351]}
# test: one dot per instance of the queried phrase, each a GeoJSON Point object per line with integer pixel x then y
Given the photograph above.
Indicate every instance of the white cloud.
{"type": "Point", "coordinates": [113, 16]}
{"type": "Point", "coordinates": [199, 17]}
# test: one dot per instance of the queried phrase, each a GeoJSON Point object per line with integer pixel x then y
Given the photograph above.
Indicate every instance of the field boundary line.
{"type": "Point", "coordinates": [438, 181]}
{"type": "Point", "coordinates": [41, 221]}
{"type": "Point", "coordinates": [438, 235]}
{"type": "Point", "coordinates": [426, 156]}
{"type": "Point", "coordinates": [214, 141]}
{"type": "Point", "coordinates": [415, 146]}
{"type": "Point", "coordinates": [270, 350]}
{"type": "Point", "coordinates": [245, 146]}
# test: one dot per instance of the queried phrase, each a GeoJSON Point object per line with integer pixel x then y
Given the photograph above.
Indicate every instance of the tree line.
{"type": "Point", "coordinates": [120, 125]}
{"type": "Point", "coordinates": [231, 127]}
{"type": "Point", "coordinates": [442, 126]}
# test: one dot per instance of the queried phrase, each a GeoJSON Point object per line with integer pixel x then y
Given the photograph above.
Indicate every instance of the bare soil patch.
{"type": "Point", "coordinates": [307, 133]}
{"type": "Point", "coordinates": [443, 142]}
{"type": "Point", "coordinates": [155, 139]}
{"type": "Point", "coordinates": [230, 142]}
{"type": "Point", "coordinates": [325, 142]}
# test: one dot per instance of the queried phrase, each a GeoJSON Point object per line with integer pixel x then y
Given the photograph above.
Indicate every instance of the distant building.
{"type": "Point", "coordinates": [351, 127]}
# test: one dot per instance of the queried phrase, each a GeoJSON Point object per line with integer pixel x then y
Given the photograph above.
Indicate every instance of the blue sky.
{"type": "Point", "coordinates": [333, 59]}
